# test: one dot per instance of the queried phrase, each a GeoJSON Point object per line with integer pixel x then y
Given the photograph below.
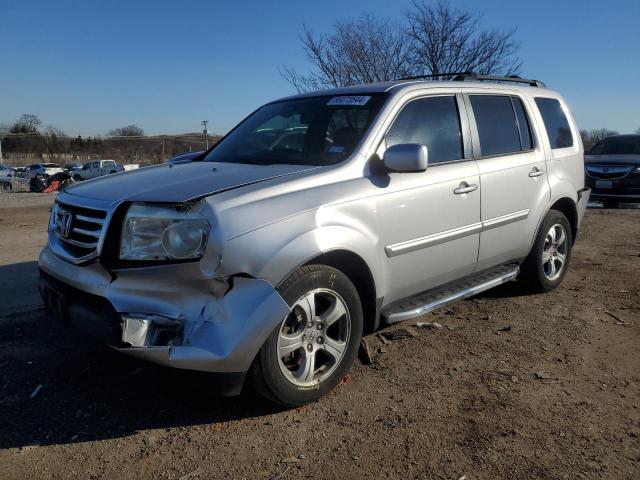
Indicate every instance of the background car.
{"type": "Point", "coordinates": [612, 170]}
{"type": "Point", "coordinates": [72, 167]}
{"type": "Point", "coordinates": [46, 169]}
{"type": "Point", "coordinates": [99, 168]}
{"type": "Point", "coordinates": [6, 178]}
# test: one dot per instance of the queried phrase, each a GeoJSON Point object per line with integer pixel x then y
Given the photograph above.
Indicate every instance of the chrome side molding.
{"type": "Point", "coordinates": [431, 240]}
{"type": "Point", "coordinates": [453, 234]}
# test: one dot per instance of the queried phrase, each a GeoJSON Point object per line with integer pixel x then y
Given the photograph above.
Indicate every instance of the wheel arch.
{"type": "Point", "coordinates": [357, 270]}
{"type": "Point", "coordinates": [568, 207]}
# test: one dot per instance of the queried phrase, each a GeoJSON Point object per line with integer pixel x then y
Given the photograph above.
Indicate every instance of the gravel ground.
{"type": "Point", "coordinates": [512, 386]}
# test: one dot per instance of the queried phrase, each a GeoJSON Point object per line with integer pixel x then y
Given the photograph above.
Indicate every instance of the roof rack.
{"type": "Point", "coordinates": [475, 76]}
{"type": "Point", "coordinates": [461, 77]}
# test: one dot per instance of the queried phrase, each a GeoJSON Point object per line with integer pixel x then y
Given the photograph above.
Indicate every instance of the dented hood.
{"type": "Point", "coordinates": [179, 182]}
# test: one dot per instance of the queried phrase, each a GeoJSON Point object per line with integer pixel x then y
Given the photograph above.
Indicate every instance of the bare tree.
{"type": "Point", "coordinates": [128, 131]}
{"type": "Point", "coordinates": [27, 123]}
{"type": "Point", "coordinates": [591, 137]}
{"type": "Point", "coordinates": [446, 39]}
{"type": "Point", "coordinates": [432, 40]}
{"type": "Point", "coordinates": [364, 50]}
{"type": "Point", "coordinates": [55, 140]}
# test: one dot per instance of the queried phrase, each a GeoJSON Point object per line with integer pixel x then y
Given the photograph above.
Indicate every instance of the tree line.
{"type": "Point", "coordinates": [126, 144]}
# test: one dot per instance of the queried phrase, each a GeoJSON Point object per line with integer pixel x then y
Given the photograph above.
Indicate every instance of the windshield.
{"type": "Point", "coordinates": [617, 146]}
{"type": "Point", "coordinates": [307, 131]}
{"type": "Point", "coordinates": [50, 165]}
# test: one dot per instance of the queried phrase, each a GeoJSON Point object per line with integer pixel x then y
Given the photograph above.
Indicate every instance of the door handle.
{"type": "Point", "coordinates": [536, 172]}
{"type": "Point", "coordinates": [465, 188]}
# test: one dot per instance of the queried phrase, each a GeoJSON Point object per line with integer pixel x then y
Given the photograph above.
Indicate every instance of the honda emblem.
{"type": "Point", "coordinates": [64, 223]}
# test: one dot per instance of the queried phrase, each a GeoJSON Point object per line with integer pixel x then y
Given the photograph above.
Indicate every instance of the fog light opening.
{"type": "Point", "coordinates": [142, 330]}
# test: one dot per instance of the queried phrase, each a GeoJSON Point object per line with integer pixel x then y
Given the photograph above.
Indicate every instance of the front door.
{"type": "Point", "coordinates": [430, 221]}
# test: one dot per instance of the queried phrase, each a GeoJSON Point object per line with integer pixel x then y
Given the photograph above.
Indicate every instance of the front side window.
{"type": "Point", "coordinates": [307, 131]}
{"type": "Point", "coordinates": [555, 122]}
{"type": "Point", "coordinates": [431, 121]}
{"type": "Point", "coordinates": [497, 125]}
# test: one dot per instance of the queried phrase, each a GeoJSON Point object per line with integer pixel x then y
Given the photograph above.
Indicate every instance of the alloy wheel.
{"type": "Point", "coordinates": [313, 338]}
{"type": "Point", "coordinates": [554, 252]}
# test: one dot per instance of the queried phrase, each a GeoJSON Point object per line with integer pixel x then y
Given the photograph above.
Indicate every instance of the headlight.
{"type": "Point", "coordinates": [162, 233]}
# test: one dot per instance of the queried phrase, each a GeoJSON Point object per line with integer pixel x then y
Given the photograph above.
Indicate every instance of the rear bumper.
{"type": "Point", "coordinates": [583, 200]}
{"type": "Point", "coordinates": [164, 315]}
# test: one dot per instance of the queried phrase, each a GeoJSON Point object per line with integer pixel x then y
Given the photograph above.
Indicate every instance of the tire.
{"type": "Point", "coordinates": [610, 203]}
{"type": "Point", "coordinates": [6, 187]}
{"type": "Point", "coordinates": [546, 265]}
{"type": "Point", "coordinates": [77, 178]}
{"type": "Point", "coordinates": [293, 379]}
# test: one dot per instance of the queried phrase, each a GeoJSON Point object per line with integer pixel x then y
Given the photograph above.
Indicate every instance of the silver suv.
{"type": "Point", "coordinates": [318, 218]}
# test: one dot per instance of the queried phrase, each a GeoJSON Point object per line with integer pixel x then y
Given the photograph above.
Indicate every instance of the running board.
{"type": "Point", "coordinates": [426, 302]}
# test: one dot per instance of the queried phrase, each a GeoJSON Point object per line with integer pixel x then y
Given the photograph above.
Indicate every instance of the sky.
{"type": "Point", "coordinates": [90, 66]}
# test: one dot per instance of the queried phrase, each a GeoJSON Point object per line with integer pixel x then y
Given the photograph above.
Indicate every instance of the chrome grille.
{"type": "Point", "coordinates": [78, 230]}
{"type": "Point", "coordinates": [608, 172]}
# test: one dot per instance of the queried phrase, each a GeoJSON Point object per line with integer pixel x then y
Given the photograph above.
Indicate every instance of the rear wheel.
{"type": "Point", "coordinates": [313, 348]}
{"type": "Point", "coordinates": [547, 262]}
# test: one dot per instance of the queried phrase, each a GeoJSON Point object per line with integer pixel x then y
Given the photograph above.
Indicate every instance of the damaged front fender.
{"type": "Point", "coordinates": [228, 333]}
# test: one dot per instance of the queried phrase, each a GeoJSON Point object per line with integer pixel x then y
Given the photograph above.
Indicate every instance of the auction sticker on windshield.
{"type": "Point", "coordinates": [349, 100]}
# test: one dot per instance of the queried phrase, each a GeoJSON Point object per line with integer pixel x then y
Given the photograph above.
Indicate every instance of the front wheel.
{"type": "Point", "coordinates": [5, 187]}
{"type": "Point", "coordinates": [312, 349]}
{"type": "Point", "coordinates": [547, 262]}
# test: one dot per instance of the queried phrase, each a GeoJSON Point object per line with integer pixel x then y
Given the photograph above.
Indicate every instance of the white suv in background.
{"type": "Point", "coordinates": [47, 169]}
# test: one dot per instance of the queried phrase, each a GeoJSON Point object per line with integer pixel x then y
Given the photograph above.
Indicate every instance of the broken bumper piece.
{"type": "Point", "coordinates": [145, 315]}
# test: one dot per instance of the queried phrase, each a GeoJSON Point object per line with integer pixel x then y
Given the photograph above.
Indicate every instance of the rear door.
{"type": "Point", "coordinates": [513, 175]}
{"type": "Point", "coordinates": [430, 221]}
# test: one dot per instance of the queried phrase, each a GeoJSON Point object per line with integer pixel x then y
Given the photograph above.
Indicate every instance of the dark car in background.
{"type": "Point", "coordinates": [612, 170]}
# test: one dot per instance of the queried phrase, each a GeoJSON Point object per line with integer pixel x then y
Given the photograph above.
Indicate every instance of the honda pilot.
{"type": "Point", "coordinates": [319, 218]}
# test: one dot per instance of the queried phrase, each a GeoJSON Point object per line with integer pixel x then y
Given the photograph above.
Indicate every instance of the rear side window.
{"type": "Point", "coordinates": [497, 124]}
{"type": "Point", "coordinates": [433, 122]}
{"type": "Point", "coordinates": [555, 122]}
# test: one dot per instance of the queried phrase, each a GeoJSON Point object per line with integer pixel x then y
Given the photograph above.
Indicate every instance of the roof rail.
{"type": "Point", "coordinates": [434, 75]}
{"type": "Point", "coordinates": [474, 76]}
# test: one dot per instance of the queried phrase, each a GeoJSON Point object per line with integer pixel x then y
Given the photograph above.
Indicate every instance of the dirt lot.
{"type": "Point", "coordinates": [512, 386]}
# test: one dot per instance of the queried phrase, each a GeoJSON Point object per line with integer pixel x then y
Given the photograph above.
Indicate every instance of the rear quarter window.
{"type": "Point", "coordinates": [555, 122]}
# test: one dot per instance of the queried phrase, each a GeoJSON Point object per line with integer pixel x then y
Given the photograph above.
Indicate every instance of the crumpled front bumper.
{"type": "Point", "coordinates": [218, 331]}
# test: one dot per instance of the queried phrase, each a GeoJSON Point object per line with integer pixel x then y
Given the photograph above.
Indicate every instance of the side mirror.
{"type": "Point", "coordinates": [406, 157]}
